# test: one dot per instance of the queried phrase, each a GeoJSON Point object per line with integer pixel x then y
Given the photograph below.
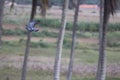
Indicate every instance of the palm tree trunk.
{"type": "Point", "coordinates": [104, 18]}
{"type": "Point", "coordinates": [24, 69]}
{"type": "Point", "coordinates": [60, 42]}
{"type": "Point", "coordinates": [107, 7]}
{"type": "Point", "coordinates": [1, 17]}
{"type": "Point", "coordinates": [70, 68]}
{"type": "Point", "coordinates": [44, 6]}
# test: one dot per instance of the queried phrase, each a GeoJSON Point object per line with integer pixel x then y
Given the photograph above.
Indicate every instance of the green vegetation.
{"type": "Point", "coordinates": [113, 39]}
{"type": "Point", "coordinates": [82, 26]}
{"type": "Point", "coordinates": [84, 51]}
{"type": "Point", "coordinates": [20, 32]}
{"type": "Point", "coordinates": [41, 44]}
{"type": "Point", "coordinates": [16, 32]}
{"type": "Point", "coordinates": [59, 2]}
{"type": "Point", "coordinates": [42, 52]}
{"type": "Point", "coordinates": [47, 33]}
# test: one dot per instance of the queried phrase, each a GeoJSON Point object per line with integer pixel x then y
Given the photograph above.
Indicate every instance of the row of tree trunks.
{"type": "Point", "coordinates": [106, 7]}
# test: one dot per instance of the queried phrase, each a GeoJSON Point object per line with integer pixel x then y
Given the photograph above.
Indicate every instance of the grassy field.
{"type": "Point", "coordinates": [41, 61]}
{"type": "Point", "coordinates": [14, 74]}
{"type": "Point", "coordinates": [43, 48]}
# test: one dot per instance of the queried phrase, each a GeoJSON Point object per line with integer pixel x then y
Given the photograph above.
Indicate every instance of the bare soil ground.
{"type": "Point", "coordinates": [34, 39]}
{"type": "Point", "coordinates": [46, 39]}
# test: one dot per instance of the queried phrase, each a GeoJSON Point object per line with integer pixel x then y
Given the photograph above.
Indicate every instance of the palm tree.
{"type": "Point", "coordinates": [60, 42]}
{"type": "Point", "coordinates": [1, 17]}
{"type": "Point", "coordinates": [24, 69]}
{"type": "Point", "coordinates": [33, 12]}
{"type": "Point", "coordinates": [70, 68]}
{"type": "Point", "coordinates": [107, 7]}
{"type": "Point", "coordinates": [44, 5]}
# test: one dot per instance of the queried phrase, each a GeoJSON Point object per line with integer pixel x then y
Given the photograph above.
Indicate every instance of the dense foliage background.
{"type": "Point", "coordinates": [57, 2]}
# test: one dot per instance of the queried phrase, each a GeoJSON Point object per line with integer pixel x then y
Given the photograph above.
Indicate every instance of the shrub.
{"type": "Point", "coordinates": [113, 39]}
{"type": "Point", "coordinates": [38, 34]}
{"type": "Point", "coordinates": [92, 27]}
{"type": "Point", "coordinates": [44, 44]}
{"type": "Point", "coordinates": [22, 41]}
{"type": "Point", "coordinates": [66, 43]}
{"type": "Point", "coordinates": [9, 21]}
{"type": "Point", "coordinates": [82, 26]}
{"type": "Point", "coordinates": [11, 43]}
{"type": "Point", "coordinates": [114, 27]}
{"type": "Point", "coordinates": [69, 26]}
{"type": "Point", "coordinates": [54, 23]}
{"type": "Point", "coordinates": [17, 31]}
{"type": "Point", "coordinates": [34, 44]}
{"type": "Point", "coordinates": [20, 32]}
{"type": "Point", "coordinates": [44, 33]}
{"type": "Point", "coordinates": [8, 32]}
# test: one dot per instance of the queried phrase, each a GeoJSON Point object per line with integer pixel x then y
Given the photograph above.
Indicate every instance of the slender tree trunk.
{"type": "Point", "coordinates": [70, 68]}
{"type": "Point", "coordinates": [1, 17]}
{"type": "Point", "coordinates": [104, 17]}
{"type": "Point", "coordinates": [60, 42]}
{"type": "Point", "coordinates": [24, 69]}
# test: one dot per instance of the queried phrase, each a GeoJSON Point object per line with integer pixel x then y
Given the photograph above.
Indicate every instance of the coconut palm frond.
{"type": "Point", "coordinates": [12, 5]}
{"type": "Point", "coordinates": [111, 6]}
